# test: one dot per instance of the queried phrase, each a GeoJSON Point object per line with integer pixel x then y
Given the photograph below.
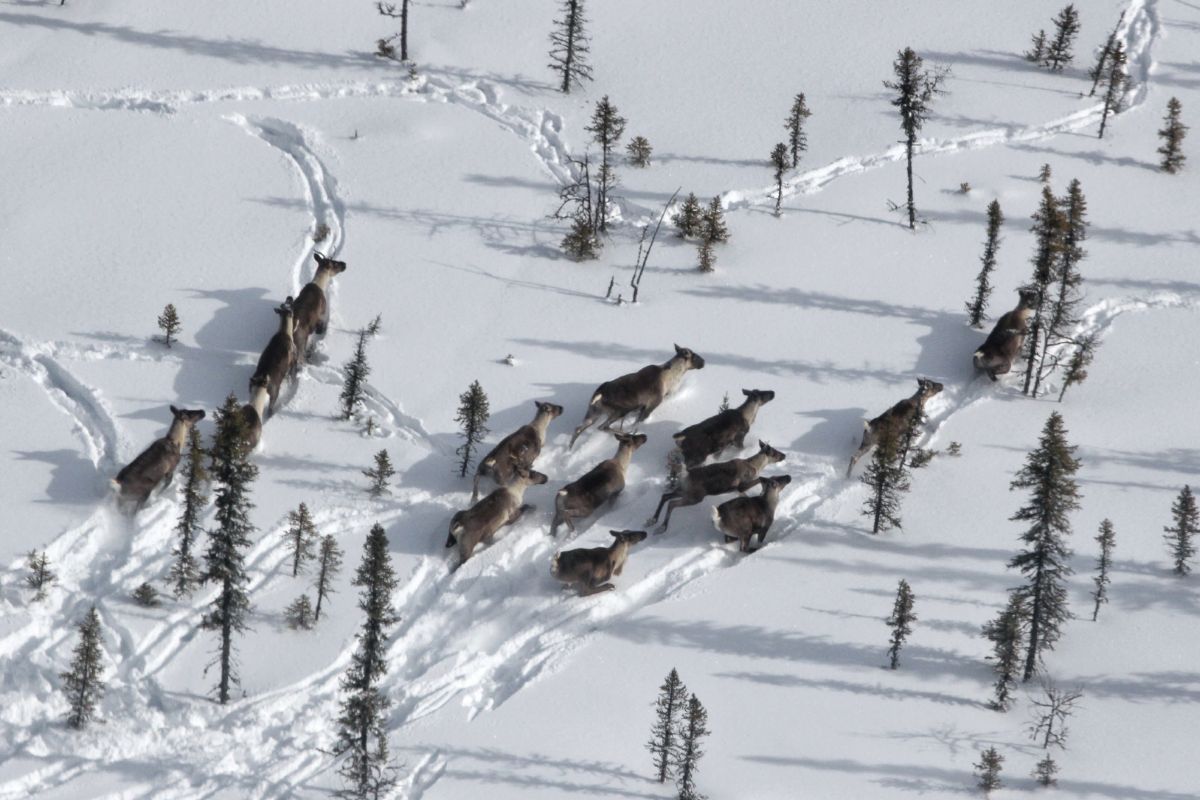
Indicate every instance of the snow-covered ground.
{"type": "Point", "coordinates": [157, 151]}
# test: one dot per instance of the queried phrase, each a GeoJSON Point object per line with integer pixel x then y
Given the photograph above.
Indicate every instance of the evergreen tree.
{"type": "Point", "coordinates": [724, 403]}
{"type": "Point", "coordinates": [689, 218]}
{"type": "Point", "coordinates": [794, 125]}
{"type": "Point", "coordinates": [375, 326]}
{"type": "Point", "coordinates": [712, 223]}
{"type": "Point", "coordinates": [1063, 314]}
{"type": "Point", "coordinates": [329, 565]}
{"type": "Point", "coordinates": [988, 769]}
{"type": "Point", "coordinates": [983, 283]}
{"type": "Point", "coordinates": [40, 575]}
{"type": "Point", "coordinates": [473, 412]}
{"type": "Point", "coordinates": [708, 257]}
{"type": "Point", "coordinates": [570, 46]}
{"type": "Point", "coordinates": [887, 479]}
{"type": "Point", "coordinates": [1172, 136]}
{"type": "Point", "coordinates": [354, 384]}
{"type": "Point", "coordinates": [1044, 174]}
{"type": "Point", "coordinates": [1045, 771]}
{"type": "Point", "coordinates": [581, 242]}
{"type": "Point", "coordinates": [301, 537]}
{"type": "Point", "coordinates": [146, 595]}
{"type": "Point", "coordinates": [779, 161]}
{"type": "Point", "coordinates": [1049, 474]}
{"type": "Point", "coordinates": [1048, 225]}
{"type": "Point", "coordinates": [900, 622]}
{"type": "Point", "coordinates": [169, 324]}
{"type": "Point", "coordinates": [1180, 536]}
{"type": "Point", "coordinates": [1066, 25]}
{"type": "Point", "coordinates": [361, 718]}
{"type": "Point", "coordinates": [664, 733]}
{"type": "Point", "coordinates": [1098, 70]}
{"type": "Point", "coordinates": [1115, 83]}
{"type": "Point", "coordinates": [380, 473]}
{"type": "Point", "coordinates": [639, 151]}
{"type": "Point", "coordinates": [1081, 359]}
{"type": "Point", "coordinates": [225, 559]}
{"type": "Point", "coordinates": [1037, 51]}
{"type": "Point", "coordinates": [185, 570]}
{"type": "Point", "coordinates": [1107, 538]}
{"type": "Point", "coordinates": [692, 730]}
{"type": "Point", "coordinates": [83, 684]}
{"type": "Point", "coordinates": [1007, 635]}
{"type": "Point", "coordinates": [915, 89]}
{"type": "Point", "coordinates": [607, 128]}
{"type": "Point", "coordinates": [910, 435]}
{"type": "Point", "coordinates": [299, 614]}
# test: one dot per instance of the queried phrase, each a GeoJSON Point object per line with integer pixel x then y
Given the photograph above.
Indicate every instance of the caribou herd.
{"type": "Point", "coordinates": [509, 466]}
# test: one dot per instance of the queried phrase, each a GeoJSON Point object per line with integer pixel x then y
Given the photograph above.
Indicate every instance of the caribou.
{"type": "Point", "coordinates": [729, 427]}
{"type": "Point", "coordinates": [1003, 345]}
{"type": "Point", "coordinates": [518, 450]}
{"type": "Point", "coordinates": [894, 421]}
{"type": "Point", "coordinates": [502, 507]}
{"type": "Point", "coordinates": [589, 569]}
{"type": "Point", "coordinates": [156, 464]}
{"type": "Point", "coordinates": [602, 484]}
{"type": "Point", "coordinates": [312, 306]}
{"type": "Point", "coordinates": [277, 359]}
{"type": "Point", "coordinates": [745, 517]}
{"type": "Point", "coordinates": [737, 475]}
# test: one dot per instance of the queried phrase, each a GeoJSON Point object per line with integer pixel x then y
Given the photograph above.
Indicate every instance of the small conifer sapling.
{"type": "Point", "coordinates": [185, 569]}
{"type": "Point", "coordinates": [779, 163]}
{"type": "Point", "coordinates": [607, 127]}
{"type": "Point", "coordinates": [1045, 174]}
{"type": "Point", "coordinates": [687, 220]}
{"type": "Point", "coordinates": [900, 622]}
{"type": "Point", "coordinates": [639, 151]}
{"type": "Point", "coordinates": [915, 88]}
{"type": "Point", "coordinates": [83, 684]}
{"type": "Point", "coordinates": [887, 479]}
{"type": "Point", "coordinates": [664, 733]}
{"type": "Point", "coordinates": [40, 576]}
{"type": "Point", "coordinates": [1098, 69]}
{"type": "Point", "coordinates": [1045, 771]}
{"type": "Point", "coordinates": [1081, 358]}
{"type": "Point", "coordinates": [1172, 134]}
{"type": "Point", "coordinates": [301, 537]}
{"type": "Point", "coordinates": [794, 125]}
{"type": "Point", "coordinates": [299, 614]}
{"type": "Point", "coordinates": [1007, 636]}
{"type": "Point", "coordinates": [169, 324]}
{"type": "Point", "coordinates": [329, 566]}
{"type": "Point", "coordinates": [1107, 539]}
{"type": "Point", "coordinates": [146, 596]}
{"type": "Point", "coordinates": [693, 730]}
{"type": "Point", "coordinates": [570, 47]}
{"type": "Point", "coordinates": [354, 384]}
{"type": "Point", "coordinates": [977, 308]}
{"type": "Point", "coordinates": [380, 474]}
{"type": "Point", "coordinates": [1181, 536]}
{"type": "Point", "coordinates": [1037, 48]}
{"type": "Point", "coordinates": [473, 412]}
{"type": "Point", "coordinates": [707, 256]}
{"type": "Point", "coordinates": [988, 769]}
{"type": "Point", "coordinates": [1066, 26]}
{"type": "Point", "coordinates": [712, 223]}
{"type": "Point", "coordinates": [1115, 81]}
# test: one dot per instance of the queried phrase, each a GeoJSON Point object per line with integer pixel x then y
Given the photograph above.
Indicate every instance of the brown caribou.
{"type": "Point", "coordinates": [1003, 345]}
{"type": "Point", "coordinates": [602, 484]}
{"type": "Point", "coordinates": [895, 420]}
{"type": "Point", "coordinates": [736, 475]}
{"type": "Point", "coordinates": [589, 569]}
{"type": "Point", "coordinates": [156, 464]}
{"type": "Point", "coordinates": [518, 450]}
{"type": "Point", "coordinates": [312, 306]}
{"type": "Point", "coordinates": [277, 359]}
{"type": "Point", "coordinates": [745, 517]}
{"type": "Point", "coordinates": [255, 412]}
{"type": "Point", "coordinates": [729, 427]}
{"type": "Point", "coordinates": [502, 507]}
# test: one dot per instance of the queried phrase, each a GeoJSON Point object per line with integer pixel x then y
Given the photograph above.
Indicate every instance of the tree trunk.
{"type": "Point", "coordinates": [912, 209]}
{"type": "Point", "coordinates": [404, 30]}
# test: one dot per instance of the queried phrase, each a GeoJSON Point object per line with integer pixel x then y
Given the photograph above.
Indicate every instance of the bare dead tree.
{"type": "Point", "coordinates": [644, 248]}
{"type": "Point", "coordinates": [385, 45]}
{"type": "Point", "coordinates": [1049, 724]}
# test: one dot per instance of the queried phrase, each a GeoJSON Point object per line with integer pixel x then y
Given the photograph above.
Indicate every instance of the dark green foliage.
{"type": "Point", "coordinates": [708, 258]}
{"type": "Point", "coordinates": [146, 595]}
{"type": "Point", "coordinates": [900, 622]}
{"type": "Point", "coordinates": [988, 769]}
{"type": "Point", "coordinates": [779, 161]}
{"type": "Point", "coordinates": [185, 570]}
{"type": "Point", "coordinates": [169, 324]}
{"type": "Point", "coordinates": [1044, 174]}
{"type": "Point", "coordinates": [581, 242]}
{"type": "Point", "coordinates": [301, 536]}
{"type": "Point", "coordinates": [724, 403]}
{"type": "Point", "coordinates": [689, 218]}
{"type": "Point", "coordinates": [921, 457]}
{"type": "Point", "coordinates": [473, 412]}
{"type": "Point", "coordinates": [1081, 359]}
{"type": "Point", "coordinates": [1115, 81]}
{"type": "Point", "coordinates": [1049, 475]}
{"type": "Point", "coordinates": [40, 575]}
{"type": "Point", "coordinates": [1048, 226]}
{"type": "Point", "coordinates": [794, 125]}
{"type": "Point", "coordinates": [1065, 294]}
{"type": "Point", "coordinates": [569, 46]}
{"type": "Point", "coordinates": [983, 284]}
{"type": "Point", "coordinates": [83, 684]}
{"type": "Point", "coordinates": [1107, 539]}
{"type": "Point", "coordinates": [364, 704]}
{"type": "Point", "coordinates": [299, 614]}
{"type": "Point", "coordinates": [1098, 70]}
{"type": "Point", "coordinates": [1180, 536]}
{"type": "Point", "coordinates": [1045, 771]}
{"type": "Point", "coordinates": [887, 479]}
{"type": "Point", "coordinates": [1037, 50]}
{"type": "Point", "coordinates": [664, 741]}
{"type": "Point", "coordinates": [227, 543]}
{"type": "Point", "coordinates": [712, 223]}
{"type": "Point", "coordinates": [607, 127]}
{"type": "Point", "coordinates": [354, 383]}
{"type": "Point", "coordinates": [639, 151]}
{"type": "Point", "coordinates": [375, 326]}
{"type": "Point", "coordinates": [692, 730]}
{"type": "Point", "coordinates": [1172, 135]}
{"type": "Point", "coordinates": [380, 473]}
{"type": "Point", "coordinates": [1007, 636]}
{"type": "Point", "coordinates": [954, 449]}
{"type": "Point", "coordinates": [1066, 26]}
{"type": "Point", "coordinates": [329, 565]}
{"type": "Point", "coordinates": [915, 89]}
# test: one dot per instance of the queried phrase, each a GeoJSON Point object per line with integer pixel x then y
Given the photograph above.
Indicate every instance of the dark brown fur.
{"type": "Point", "coordinates": [517, 451]}
{"type": "Point", "coordinates": [729, 427]}
{"type": "Point", "coordinates": [895, 420]}
{"type": "Point", "coordinates": [736, 475]}
{"type": "Point", "coordinates": [1003, 345]}
{"type": "Point", "coordinates": [743, 518]}
{"type": "Point", "coordinates": [156, 464]}
{"type": "Point", "coordinates": [479, 522]}
{"type": "Point", "coordinates": [602, 484]}
{"type": "Point", "coordinates": [312, 306]}
{"type": "Point", "coordinates": [279, 356]}
{"type": "Point", "coordinates": [589, 569]}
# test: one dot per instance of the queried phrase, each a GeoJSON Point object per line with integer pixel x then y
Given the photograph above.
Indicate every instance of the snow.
{"type": "Point", "coordinates": [161, 152]}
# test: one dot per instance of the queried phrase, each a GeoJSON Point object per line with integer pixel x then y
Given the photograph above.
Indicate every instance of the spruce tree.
{"type": "Point", "coordinates": [887, 479]}
{"type": "Point", "coordinates": [185, 570]}
{"type": "Point", "coordinates": [364, 704]}
{"type": "Point", "coordinates": [1098, 70]}
{"type": "Point", "coordinates": [83, 684]}
{"type": "Point", "coordinates": [1081, 359]}
{"type": "Point", "coordinates": [1049, 475]}
{"type": "Point", "coordinates": [570, 47]}
{"type": "Point", "coordinates": [1115, 83]}
{"type": "Point", "coordinates": [581, 242]}
{"type": "Point", "coordinates": [983, 283]}
{"type": "Point", "coordinates": [1065, 296]}
{"type": "Point", "coordinates": [988, 769]}
{"type": "Point", "coordinates": [639, 151]}
{"type": "Point", "coordinates": [1172, 136]}
{"type": "Point", "coordinates": [707, 256]}
{"type": "Point", "coordinates": [915, 89]}
{"type": "Point", "coordinates": [40, 575]}
{"type": "Point", "coordinates": [1007, 635]}
{"type": "Point", "coordinates": [712, 223]}
{"type": "Point", "coordinates": [1037, 50]}
{"type": "Point", "coordinates": [301, 537]}
{"type": "Point", "coordinates": [1180, 536]}
{"type": "Point", "coordinates": [689, 218]}
{"type": "Point", "coordinates": [473, 412]}
{"type": "Point", "coordinates": [354, 383]}
{"type": "Point", "coordinates": [1045, 771]}
{"type": "Point", "coordinates": [380, 473]}
{"type": "Point", "coordinates": [146, 596]}
{"type": "Point", "coordinates": [779, 161]}
{"type": "Point", "coordinates": [227, 542]}
{"type": "Point", "coordinates": [1044, 174]}
{"type": "Point", "coordinates": [692, 730]}
{"type": "Point", "coordinates": [169, 324]}
{"type": "Point", "coordinates": [1066, 26]}
{"type": "Point", "coordinates": [299, 614]}
{"type": "Point", "coordinates": [794, 125]}
{"type": "Point", "coordinates": [900, 622]}
{"type": "Point", "coordinates": [1107, 539]}
{"type": "Point", "coordinates": [1048, 226]}
{"type": "Point", "coordinates": [607, 127]}
{"type": "Point", "coordinates": [664, 733]}
{"type": "Point", "coordinates": [329, 565]}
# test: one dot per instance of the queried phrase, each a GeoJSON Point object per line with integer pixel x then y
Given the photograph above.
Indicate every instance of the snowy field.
{"type": "Point", "coordinates": [156, 151]}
